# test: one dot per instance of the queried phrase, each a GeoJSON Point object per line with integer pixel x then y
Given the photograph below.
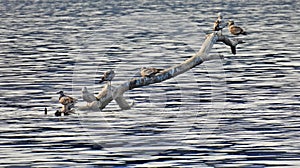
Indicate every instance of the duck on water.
{"type": "Point", "coordinates": [235, 30]}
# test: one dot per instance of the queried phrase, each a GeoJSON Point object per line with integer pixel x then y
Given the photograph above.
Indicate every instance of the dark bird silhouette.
{"type": "Point", "coordinates": [149, 72]}
{"type": "Point", "coordinates": [46, 111]}
{"type": "Point", "coordinates": [235, 30]}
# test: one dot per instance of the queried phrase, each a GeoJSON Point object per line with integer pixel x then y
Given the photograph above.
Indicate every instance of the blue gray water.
{"type": "Point", "coordinates": [242, 111]}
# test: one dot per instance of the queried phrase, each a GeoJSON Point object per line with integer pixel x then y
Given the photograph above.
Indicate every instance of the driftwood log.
{"type": "Point", "coordinates": [106, 95]}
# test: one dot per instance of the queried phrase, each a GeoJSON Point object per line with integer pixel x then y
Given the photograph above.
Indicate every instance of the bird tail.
{"type": "Point", "coordinates": [244, 33]}
{"type": "Point", "coordinates": [102, 80]}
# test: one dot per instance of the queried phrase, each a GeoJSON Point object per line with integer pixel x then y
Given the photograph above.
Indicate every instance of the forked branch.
{"type": "Point", "coordinates": [116, 93]}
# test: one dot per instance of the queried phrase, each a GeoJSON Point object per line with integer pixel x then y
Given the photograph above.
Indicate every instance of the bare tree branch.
{"type": "Point", "coordinates": [116, 93]}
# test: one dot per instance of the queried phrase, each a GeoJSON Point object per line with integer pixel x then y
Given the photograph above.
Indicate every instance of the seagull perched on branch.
{"type": "Point", "coordinates": [108, 76]}
{"type": "Point", "coordinates": [235, 30]}
{"type": "Point", "coordinates": [149, 72]}
{"type": "Point", "coordinates": [219, 25]}
{"type": "Point", "coordinates": [88, 96]}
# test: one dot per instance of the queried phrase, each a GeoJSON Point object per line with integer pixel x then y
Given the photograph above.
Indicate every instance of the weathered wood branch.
{"type": "Point", "coordinates": [116, 93]}
{"type": "Point", "coordinates": [232, 43]}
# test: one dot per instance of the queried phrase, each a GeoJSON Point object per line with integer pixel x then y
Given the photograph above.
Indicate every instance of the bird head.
{"type": "Point", "coordinates": [230, 22]}
{"type": "Point", "coordinates": [108, 72]}
{"type": "Point", "coordinates": [220, 15]}
{"type": "Point", "coordinates": [60, 92]}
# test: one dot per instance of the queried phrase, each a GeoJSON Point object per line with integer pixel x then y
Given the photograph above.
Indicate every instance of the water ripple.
{"type": "Point", "coordinates": [238, 112]}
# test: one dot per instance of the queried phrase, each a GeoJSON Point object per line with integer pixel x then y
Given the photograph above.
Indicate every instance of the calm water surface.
{"type": "Point", "coordinates": [242, 111]}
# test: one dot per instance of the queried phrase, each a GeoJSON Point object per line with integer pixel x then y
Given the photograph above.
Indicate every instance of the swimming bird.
{"type": "Point", "coordinates": [219, 25]}
{"type": "Point", "coordinates": [88, 96]}
{"type": "Point", "coordinates": [235, 30]}
{"type": "Point", "coordinates": [108, 76]}
{"type": "Point", "coordinates": [149, 72]}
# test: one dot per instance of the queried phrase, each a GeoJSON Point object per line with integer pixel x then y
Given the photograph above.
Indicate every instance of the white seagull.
{"type": "Point", "coordinates": [235, 30]}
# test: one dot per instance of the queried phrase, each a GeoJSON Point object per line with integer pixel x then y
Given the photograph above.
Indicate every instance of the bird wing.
{"type": "Point", "coordinates": [67, 100]}
{"type": "Point", "coordinates": [222, 25]}
{"type": "Point", "coordinates": [149, 72]}
{"type": "Point", "coordinates": [111, 76]}
{"type": "Point", "coordinates": [144, 73]}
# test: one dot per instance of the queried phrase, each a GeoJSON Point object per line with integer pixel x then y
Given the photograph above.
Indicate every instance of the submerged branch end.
{"type": "Point", "coordinates": [232, 43]}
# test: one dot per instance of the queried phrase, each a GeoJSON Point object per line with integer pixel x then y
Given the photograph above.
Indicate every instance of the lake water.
{"type": "Point", "coordinates": [242, 111]}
